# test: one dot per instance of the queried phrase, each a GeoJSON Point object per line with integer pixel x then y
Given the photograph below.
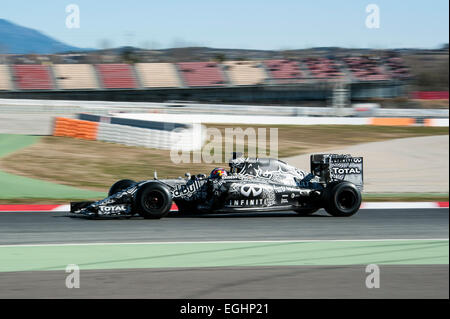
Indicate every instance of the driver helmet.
{"type": "Point", "coordinates": [218, 173]}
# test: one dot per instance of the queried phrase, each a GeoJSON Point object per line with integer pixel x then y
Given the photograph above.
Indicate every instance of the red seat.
{"type": "Point", "coordinates": [323, 68]}
{"type": "Point", "coordinates": [201, 73]}
{"type": "Point", "coordinates": [32, 77]}
{"type": "Point", "coordinates": [366, 69]}
{"type": "Point", "coordinates": [283, 69]}
{"type": "Point", "coordinates": [116, 76]}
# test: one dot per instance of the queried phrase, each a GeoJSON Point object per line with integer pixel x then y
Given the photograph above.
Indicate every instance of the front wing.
{"type": "Point", "coordinates": [119, 204]}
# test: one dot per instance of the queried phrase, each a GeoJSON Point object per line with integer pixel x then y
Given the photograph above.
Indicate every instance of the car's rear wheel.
{"type": "Point", "coordinates": [342, 199]}
{"type": "Point", "coordinates": [120, 186]}
{"type": "Point", "coordinates": [153, 201]}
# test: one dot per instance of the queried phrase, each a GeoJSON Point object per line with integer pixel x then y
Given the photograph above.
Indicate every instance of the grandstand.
{"type": "Point", "coordinates": [324, 69]}
{"type": "Point", "coordinates": [75, 76]}
{"type": "Point", "coordinates": [366, 69]}
{"type": "Point", "coordinates": [396, 68]}
{"type": "Point", "coordinates": [284, 71]}
{"type": "Point", "coordinates": [116, 76]}
{"type": "Point", "coordinates": [5, 83]}
{"type": "Point", "coordinates": [270, 80]}
{"type": "Point", "coordinates": [32, 77]}
{"type": "Point", "coordinates": [245, 72]}
{"type": "Point", "coordinates": [201, 74]}
{"type": "Point", "coordinates": [158, 75]}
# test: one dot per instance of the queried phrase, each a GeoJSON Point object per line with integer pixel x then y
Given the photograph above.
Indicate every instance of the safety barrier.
{"type": "Point", "coordinates": [75, 128]}
{"type": "Point", "coordinates": [106, 107]}
{"type": "Point", "coordinates": [282, 120]}
{"type": "Point", "coordinates": [184, 132]}
{"type": "Point", "coordinates": [436, 122]}
{"type": "Point", "coordinates": [154, 125]}
{"type": "Point", "coordinates": [185, 137]}
{"type": "Point", "coordinates": [386, 121]}
{"type": "Point", "coordinates": [134, 136]}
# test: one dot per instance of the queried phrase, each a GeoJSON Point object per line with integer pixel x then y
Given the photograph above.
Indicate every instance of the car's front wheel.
{"type": "Point", "coordinates": [120, 186]}
{"type": "Point", "coordinates": [342, 199]}
{"type": "Point", "coordinates": [153, 201]}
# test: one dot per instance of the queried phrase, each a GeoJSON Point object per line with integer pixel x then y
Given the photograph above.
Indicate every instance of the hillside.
{"type": "Point", "coordinates": [15, 39]}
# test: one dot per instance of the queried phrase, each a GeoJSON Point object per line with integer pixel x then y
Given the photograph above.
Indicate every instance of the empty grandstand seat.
{"type": "Point", "coordinates": [323, 68]}
{"type": "Point", "coordinates": [5, 83]}
{"type": "Point", "coordinates": [396, 68]}
{"type": "Point", "coordinates": [284, 70]}
{"type": "Point", "coordinates": [201, 73]}
{"type": "Point", "coordinates": [366, 69]}
{"type": "Point", "coordinates": [158, 75]}
{"type": "Point", "coordinates": [116, 76]}
{"type": "Point", "coordinates": [245, 72]}
{"type": "Point", "coordinates": [75, 76]}
{"type": "Point", "coordinates": [32, 77]}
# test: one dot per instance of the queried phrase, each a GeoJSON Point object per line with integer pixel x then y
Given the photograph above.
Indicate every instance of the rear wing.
{"type": "Point", "coordinates": [338, 167]}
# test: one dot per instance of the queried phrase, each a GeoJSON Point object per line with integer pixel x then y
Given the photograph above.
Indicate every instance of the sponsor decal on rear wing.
{"type": "Point", "coordinates": [348, 169]}
{"type": "Point", "coordinates": [331, 167]}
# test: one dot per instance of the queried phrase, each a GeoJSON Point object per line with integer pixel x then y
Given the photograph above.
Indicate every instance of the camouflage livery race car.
{"type": "Point", "coordinates": [251, 184]}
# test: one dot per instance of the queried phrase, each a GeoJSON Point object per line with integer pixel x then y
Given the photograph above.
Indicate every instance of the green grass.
{"type": "Point", "coordinates": [14, 186]}
{"type": "Point", "coordinates": [9, 143]}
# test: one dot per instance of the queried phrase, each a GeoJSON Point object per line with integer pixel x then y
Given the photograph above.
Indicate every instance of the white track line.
{"type": "Point", "coordinates": [223, 242]}
{"type": "Point", "coordinates": [399, 205]}
{"type": "Point", "coordinates": [62, 208]}
{"type": "Point", "coordinates": [364, 205]}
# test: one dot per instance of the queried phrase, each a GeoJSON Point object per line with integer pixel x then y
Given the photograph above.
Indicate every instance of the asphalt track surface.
{"type": "Point", "coordinates": [290, 281]}
{"type": "Point", "coordinates": [57, 227]}
{"type": "Point", "coordinates": [423, 281]}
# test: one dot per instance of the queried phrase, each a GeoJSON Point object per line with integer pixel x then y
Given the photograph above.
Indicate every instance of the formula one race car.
{"type": "Point", "coordinates": [252, 184]}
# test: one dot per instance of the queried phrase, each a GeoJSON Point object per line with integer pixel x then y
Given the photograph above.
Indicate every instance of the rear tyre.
{"type": "Point", "coordinates": [306, 211]}
{"type": "Point", "coordinates": [120, 186]}
{"type": "Point", "coordinates": [342, 199]}
{"type": "Point", "coordinates": [153, 201]}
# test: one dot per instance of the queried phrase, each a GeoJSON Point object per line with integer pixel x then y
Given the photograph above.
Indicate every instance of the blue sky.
{"type": "Point", "coordinates": [264, 24]}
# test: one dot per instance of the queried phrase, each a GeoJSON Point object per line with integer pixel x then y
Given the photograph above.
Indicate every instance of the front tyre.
{"type": "Point", "coordinates": [153, 201]}
{"type": "Point", "coordinates": [342, 199]}
{"type": "Point", "coordinates": [120, 186]}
